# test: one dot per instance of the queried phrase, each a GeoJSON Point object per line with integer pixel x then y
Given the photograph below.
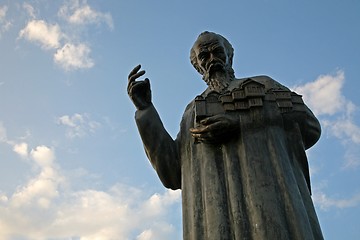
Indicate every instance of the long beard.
{"type": "Point", "coordinates": [217, 80]}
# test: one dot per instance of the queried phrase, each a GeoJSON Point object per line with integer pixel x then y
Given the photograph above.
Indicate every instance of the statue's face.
{"type": "Point", "coordinates": [211, 54]}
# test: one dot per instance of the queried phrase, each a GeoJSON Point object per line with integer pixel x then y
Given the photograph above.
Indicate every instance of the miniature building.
{"type": "Point", "coordinates": [208, 106]}
{"type": "Point", "coordinates": [288, 101]}
{"type": "Point", "coordinates": [253, 88]}
{"type": "Point", "coordinates": [250, 94]}
{"type": "Point", "coordinates": [298, 103]}
{"type": "Point", "coordinates": [238, 94]}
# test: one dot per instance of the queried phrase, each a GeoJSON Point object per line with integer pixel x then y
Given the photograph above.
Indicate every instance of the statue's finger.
{"type": "Point", "coordinates": [212, 119]}
{"type": "Point", "coordinates": [135, 70]}
{"type": "Point", "coordinates": [215, 126]}
{"type": "Point", "coordinates": [199, 130]}
{"type": "Point", "coordinates": [136, 75]}
{"type": "Point", "coordinates": [129, 87]}
{"type": "Point", "coordinates": [197, 136]}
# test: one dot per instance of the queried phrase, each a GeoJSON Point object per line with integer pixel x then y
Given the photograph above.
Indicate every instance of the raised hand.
{"type": "Point", "coordinates": [139, 91]}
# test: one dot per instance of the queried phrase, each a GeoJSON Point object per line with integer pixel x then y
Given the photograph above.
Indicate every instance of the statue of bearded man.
{"type": "Point", "coordinates": [239, 157]}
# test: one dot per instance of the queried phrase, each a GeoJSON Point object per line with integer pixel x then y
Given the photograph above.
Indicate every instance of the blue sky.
{"type": "Point", "coordinates": [72, 163]}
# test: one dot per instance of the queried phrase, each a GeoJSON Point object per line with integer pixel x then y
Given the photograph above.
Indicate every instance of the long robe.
{"type": "Point", "coordinates": [255, 185]}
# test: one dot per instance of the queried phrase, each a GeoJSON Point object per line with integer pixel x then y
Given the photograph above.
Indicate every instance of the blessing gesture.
{"type": "Point", "coordinates": [139, 91]}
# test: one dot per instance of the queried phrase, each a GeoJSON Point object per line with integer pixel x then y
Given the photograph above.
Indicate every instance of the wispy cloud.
{"type": "Point", "coordinates": [30, 10]}
{"type": "Point", "coordinates": [69, 51]}
{"type": "Point", "coordinates": [336, 112]}
{"type": "Point", "coordinates": [325, 202]}
{"type": "Point", "coordinates": [80, 13]}
{"type": "Point", "coordinates": [21, 149]}
{"type": "Point", "coordinates": [3, 134]}
{"type": "Point", "coordinates": [5, 24]}
{"type": "Point", "coordinates": [78, 125]}
{"type": "Point", "coordinates": [344, 128]}
{"type": "Point", "coordinates": [45, 207]}
{"type": "Point", "coordinates": [3, 10]}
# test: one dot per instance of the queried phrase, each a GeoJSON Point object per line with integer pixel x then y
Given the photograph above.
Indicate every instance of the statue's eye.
{"type": "Point", "coordinates": [203, 56]}
{"type": "Point", "coordinates": [219, 51]}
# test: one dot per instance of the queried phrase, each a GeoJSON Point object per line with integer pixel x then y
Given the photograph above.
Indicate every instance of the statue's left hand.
{"type": "Point", "coordinates": [216, 128]}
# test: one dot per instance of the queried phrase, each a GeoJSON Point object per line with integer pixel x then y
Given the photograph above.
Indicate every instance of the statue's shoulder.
{"type": "Point", "coordinates": [190, 105]}
{"type": "Point", "coordinates": [268, 82]}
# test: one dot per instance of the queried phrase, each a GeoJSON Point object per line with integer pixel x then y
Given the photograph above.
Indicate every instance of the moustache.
{"type": "Point", "coordinates": [215, 65]}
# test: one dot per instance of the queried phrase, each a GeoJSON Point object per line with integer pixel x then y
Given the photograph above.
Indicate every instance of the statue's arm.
{"type": "Point", "coordinates": [309, 126]}
{"type": "Point", "coordinates": [160, 148]}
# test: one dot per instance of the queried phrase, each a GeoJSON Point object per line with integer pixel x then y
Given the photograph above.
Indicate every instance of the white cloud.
{"type": "Point", "coordinates": [43, 156]}
{"type": "Point", "coordinates": [73, 121]}
{"type": "Point", "coordinates": [4, 23]}
{"type": "Point", "coordinates": [344, 129]}
{"type": "Point", "coordinates": [325, 202]}
{"type": "Point", "coordinates": [39, 31]}
{"type": "Point", "coordinates": [70, 52]}
{"type": "Point", "coordinates": [324, 94]}
{"type": "Point", "coordinates": [45, 207]}
{"type": "Point", "coordinates": [72, 57]}
{"type": "Point", "coordinates": [80, 13]}
{"type": "Point", "coordinates": [78, 125]}
{"type": "Point", "coordinates": [40, 190]}
{"type": "Point", "coordinates": [156, 203]}
{"type": "Point", "coordinates": [159, 231]}
{"type": "Point", "coordinates": [21, 149]}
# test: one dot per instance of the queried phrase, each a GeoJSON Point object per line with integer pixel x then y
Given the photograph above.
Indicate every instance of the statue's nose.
{"type": "Point", "coordinates": [211, 57]}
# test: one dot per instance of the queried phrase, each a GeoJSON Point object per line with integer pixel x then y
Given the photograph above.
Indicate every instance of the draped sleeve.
{"type": "Point", "coordinates": [160, 148]}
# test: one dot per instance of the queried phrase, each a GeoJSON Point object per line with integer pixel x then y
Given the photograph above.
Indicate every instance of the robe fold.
{"type": "Point", "coordinates": [253, 185]}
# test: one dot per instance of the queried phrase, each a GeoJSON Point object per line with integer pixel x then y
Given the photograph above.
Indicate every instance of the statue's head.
{"type": "Point", "coordinates": [211, 55]}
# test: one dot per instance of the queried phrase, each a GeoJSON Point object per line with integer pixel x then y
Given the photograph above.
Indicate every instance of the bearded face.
{"type": "Point", "coordinates": [217, 77]}
{"type": "Point", "coordinates": [213, 62]}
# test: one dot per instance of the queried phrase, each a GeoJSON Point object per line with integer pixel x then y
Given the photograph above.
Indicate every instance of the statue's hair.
{"type": "Point", "coordinates": [228, 48]}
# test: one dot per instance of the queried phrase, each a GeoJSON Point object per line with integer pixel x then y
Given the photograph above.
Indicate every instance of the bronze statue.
{"type": "Point", "coordinates": [239, 157]}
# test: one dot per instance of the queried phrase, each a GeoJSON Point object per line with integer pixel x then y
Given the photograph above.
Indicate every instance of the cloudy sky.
{"type": "Point", "coordinates": [72, 163]}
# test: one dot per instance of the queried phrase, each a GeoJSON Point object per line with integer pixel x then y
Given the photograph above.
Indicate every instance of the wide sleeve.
{"type": "Point", "coordinates": [309, 126]}
{"type": "Point", "coordinates": [160, 148]}
{"type": "Point", "coordinates": [300, 114]}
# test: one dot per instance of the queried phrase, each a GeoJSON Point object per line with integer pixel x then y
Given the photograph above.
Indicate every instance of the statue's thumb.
{"type": "Point", "coordinates": [148, 92]}
{"type": "Point", "coordinates": [147, 81]}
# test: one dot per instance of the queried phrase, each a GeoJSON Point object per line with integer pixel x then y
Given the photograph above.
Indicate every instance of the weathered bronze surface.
{"type": "Point", "coordinates": [239, 157]}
